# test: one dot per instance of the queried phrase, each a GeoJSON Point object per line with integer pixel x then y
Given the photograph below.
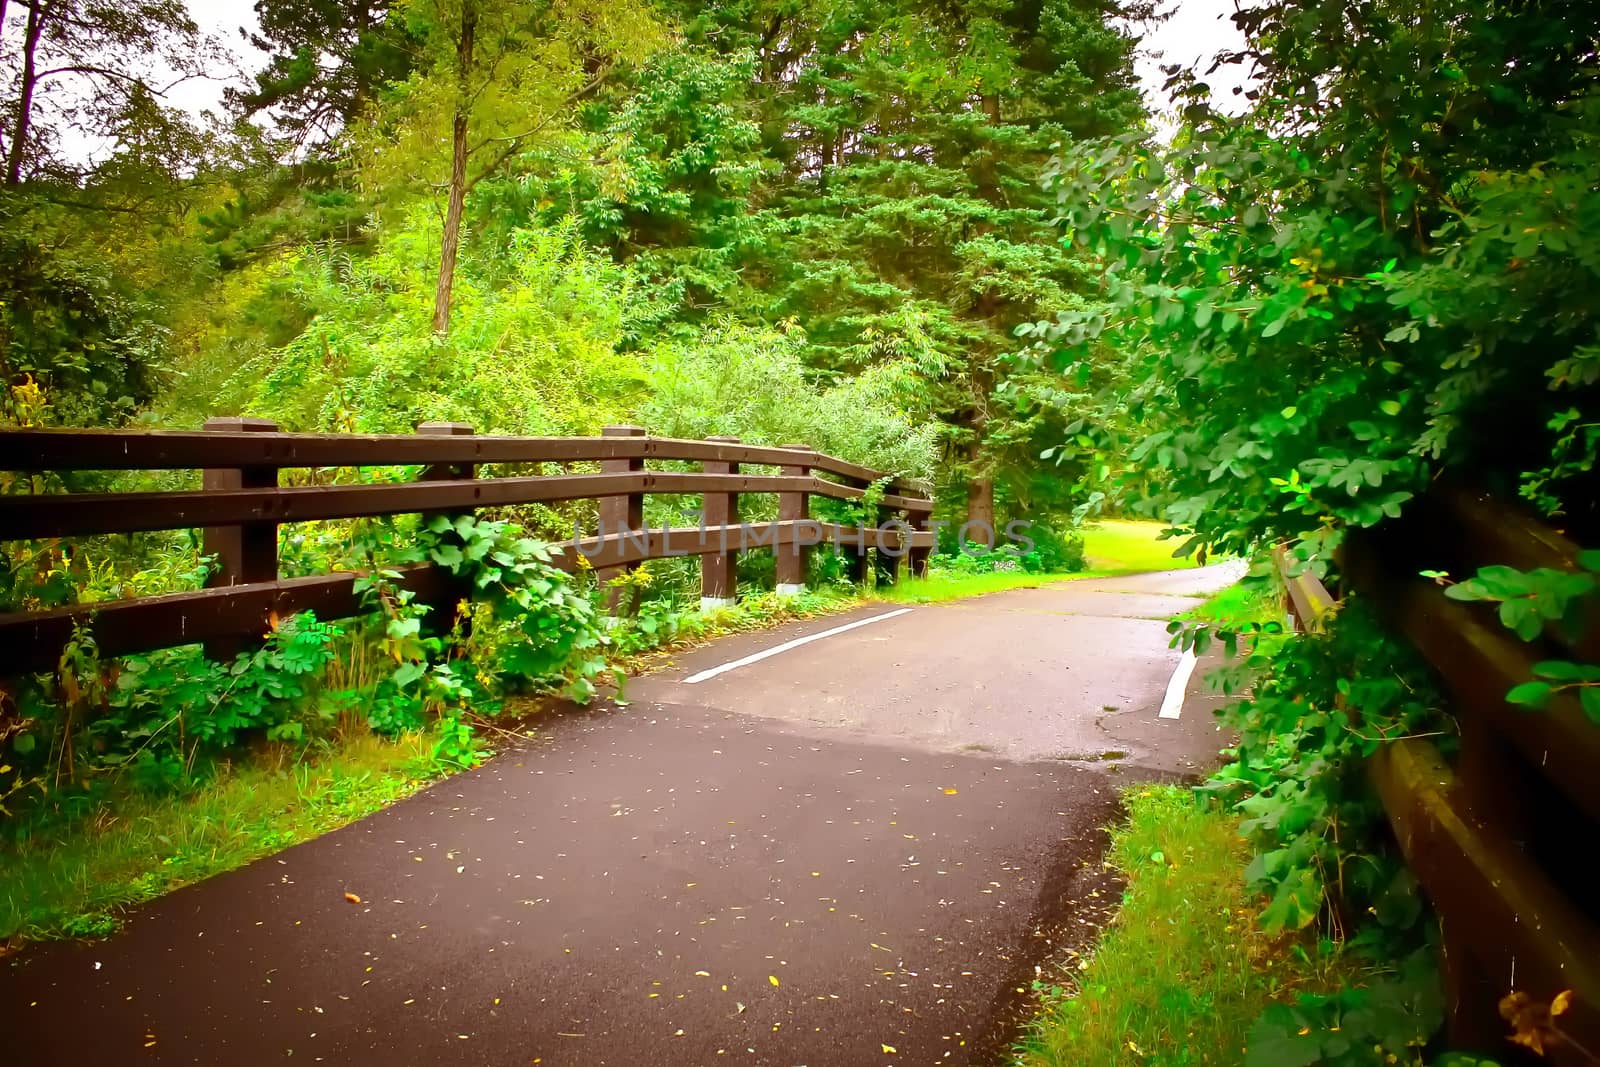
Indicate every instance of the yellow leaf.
{"type": "Point", "coordinates": [888, 1048]}
{"type": "Point", "coordinates": [951, 792]}
{"type": "Point", "coordinates": [352, 898]}
{"type": "Point", "coordinates": [1562, 1002]}
{"type": "Point", "coordinates": [703, 974]}
{"type": "Point", "coordinates": [772, 978]}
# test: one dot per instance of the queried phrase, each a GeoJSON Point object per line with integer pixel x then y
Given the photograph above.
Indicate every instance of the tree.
{"type": "Point", "coordinates": [327, 62]}
{"type": "Point", "coordinates": [80, 69]}
{"type": "Point", "coordinates": [1377, 277]}
{"type": "Point", "coordinates": [905, 218]}
{"type": "Point", "coordinates": [677, 157]}
{"type": "Point", "coordinates": [69, 324]}
{"type": "Point", "coordinates": [493, 82]}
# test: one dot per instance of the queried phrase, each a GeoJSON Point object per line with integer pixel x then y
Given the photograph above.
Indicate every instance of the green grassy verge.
{"type": "Point", "coordinates": [944, 585]}
{"type": "Point", "coordinates": [1113, 547]}
{"type": "Point", "coordinates": [1238, 604]}
{"type": "Point", "coordinates": [1183, 970]}
{"type": "Point", "coordinates": [75, 879]}
{"type": "Point", "coordinates": [1129, 546]}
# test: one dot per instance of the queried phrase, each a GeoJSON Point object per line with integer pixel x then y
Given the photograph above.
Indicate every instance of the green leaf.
{"type": "Point", "coordinates": [1390, 407]}
{"type": "Point", "coordinates": [448, 556]}
{"type": "Point", "coordinates": [407, 673]}
{"type": "Point", "coordinates": [1276, 1040]}
{"type": "Point", "coordinates": [1530, 694]}
{"type": "Point", "coordinates": [1295, 904]}
{"type": "Point", "coordinates": [1589, 699]}
{"type": "Point", "coordinates": [1563, 671]}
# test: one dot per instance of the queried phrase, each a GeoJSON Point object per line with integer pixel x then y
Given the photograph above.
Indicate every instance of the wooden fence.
{"type": "Point", "coordinates": [241, 505]}
{"type": "Point", "coordinates": [1502, 836]}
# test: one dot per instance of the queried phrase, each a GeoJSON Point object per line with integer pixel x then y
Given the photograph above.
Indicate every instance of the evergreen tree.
{"type": "Point", "coordinates": [898, 214]}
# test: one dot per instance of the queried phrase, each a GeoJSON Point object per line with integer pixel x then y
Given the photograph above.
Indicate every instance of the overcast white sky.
{"type": "Point", "coordinates": [1196, 31]}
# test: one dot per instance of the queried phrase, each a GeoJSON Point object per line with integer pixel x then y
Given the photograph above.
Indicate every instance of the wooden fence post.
{"type": "Point", "coordinates": [620, 514]}
{"type": "Point", "coordinates": [248, 552]}
{"type": "Point", "coordinates": [793, 507]}
{"type": "Point", "coordinates": [718, 575]}
{"type": "Point", "coordinates": [857, 555]}
{"type": "Point", "coordinates": [441, 617]}
{"type": "Point", "coordinates": [918, 557]}
{"type": "Point", "coordinates": [890, 548]}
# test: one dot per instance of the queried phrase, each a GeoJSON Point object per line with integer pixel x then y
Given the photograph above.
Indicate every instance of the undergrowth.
{"type": "Point", "coordinates": [1185, 968]}
{"type": "Point", "coordinates": [74, 875]}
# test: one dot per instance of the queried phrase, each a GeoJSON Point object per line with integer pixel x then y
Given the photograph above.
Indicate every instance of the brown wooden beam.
{"type": "Point", "coordinates": [87, 514]}
{"type": "Point", "coordinates": [31, 642]}
{"type": "Point", "coordinates": [621, 515]}
{"type": "Point", "coordinates": [718, 574]}
{"type": "Point", "coordinates": [1523, 933]}
{"type": "Point", "coordinates": [198, 450]}
{"type": "Point", "coordinates": [244, 553]}
{"type": "Point", "coordinates": [1479, 661]}
{"type": "Point", "coordinates": [794, 507]}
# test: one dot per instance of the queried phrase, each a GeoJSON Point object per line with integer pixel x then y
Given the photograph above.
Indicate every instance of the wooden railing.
{"type": "Point", "coordinates": [241, 505]}
{"type": "Point", "coordinates": [1501, 837]}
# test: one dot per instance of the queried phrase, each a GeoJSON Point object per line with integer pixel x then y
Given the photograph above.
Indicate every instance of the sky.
{"type": "Point", "coordinates": [221, 19]}
{"type": "Point", "coordinates": [1196, 31]}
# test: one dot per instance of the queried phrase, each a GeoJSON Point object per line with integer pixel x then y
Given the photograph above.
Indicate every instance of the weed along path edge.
{"type": "Point", "coordinates": [679, 881]}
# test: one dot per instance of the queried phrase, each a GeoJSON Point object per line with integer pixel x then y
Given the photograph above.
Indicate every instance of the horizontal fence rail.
{"type": "Point", "coordinates": [1499, 836]}
{"type": "Point", "coordinates": [84, 514]}
{"type": "Point", "coordinates": [241, 508]}
{"type": "Point", "coordinates": [62, 450]}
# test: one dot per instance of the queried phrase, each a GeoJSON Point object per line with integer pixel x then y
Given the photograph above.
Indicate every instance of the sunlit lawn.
{"type": "Point", "coordinates": [1113, 547]}
{"type": "Point", "coordinates": [944, 585]}
{"type": "Point", "coordinates": [1129, 546]}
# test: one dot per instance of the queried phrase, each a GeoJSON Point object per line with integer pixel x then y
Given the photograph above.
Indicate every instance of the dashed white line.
{"type": "Point", "coordinates": [1172, 704]}
{"type": "Point", "coordinates": [724, 668]}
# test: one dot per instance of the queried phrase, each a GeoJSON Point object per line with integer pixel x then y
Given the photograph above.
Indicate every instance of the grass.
{"type": "Point", "coordinates": [1129, 546]}
{"type": "Point", "coordinates": [1242, 603]}
{"type": "Point", "coordinates": [76, 878]}
{"type": "Point", "coordinates": [1183, 971]}
{"type": "Point", "coordinates": [944, 585]}
{"type": "Point", "coordinates": [1113, 547]}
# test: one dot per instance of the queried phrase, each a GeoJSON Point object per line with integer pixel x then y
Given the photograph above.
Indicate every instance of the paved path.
{"type": "Point", "coordinates": [849, 853]}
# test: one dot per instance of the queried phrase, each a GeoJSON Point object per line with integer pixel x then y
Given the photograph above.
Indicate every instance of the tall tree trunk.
{"type": "Point", "coordinates": [980, 509]}
{"type": "Point", "coordinates": [19, 126]}
{"type": "Point", "coordinates": [458, 175]}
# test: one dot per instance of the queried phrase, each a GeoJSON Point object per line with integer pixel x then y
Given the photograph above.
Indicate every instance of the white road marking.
{"type": "Point", "coordinates": [724, 668]}
{"type": "Point", "coordinates": [1172, 704]}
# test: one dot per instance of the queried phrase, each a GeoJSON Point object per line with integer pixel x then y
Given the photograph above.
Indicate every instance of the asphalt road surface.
{"type": "Point", "coordinates": [848, 851]}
